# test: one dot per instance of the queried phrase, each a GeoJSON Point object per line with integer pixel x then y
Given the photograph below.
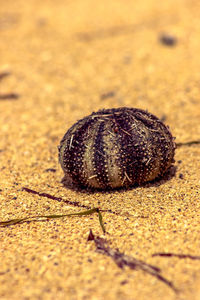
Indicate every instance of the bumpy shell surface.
{"type": "Point", "coordinates": [116, 147]}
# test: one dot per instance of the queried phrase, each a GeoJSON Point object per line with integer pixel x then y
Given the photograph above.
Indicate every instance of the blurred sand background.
{"type": "Point", "coordinates": [59, 61]}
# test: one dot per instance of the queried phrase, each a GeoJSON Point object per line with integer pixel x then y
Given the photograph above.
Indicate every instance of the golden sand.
{"type": "Point", "coordinates": [61, 60]}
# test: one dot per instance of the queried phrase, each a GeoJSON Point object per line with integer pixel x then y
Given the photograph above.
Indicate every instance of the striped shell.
{"type": "Point", "coordinates": [116, 147]}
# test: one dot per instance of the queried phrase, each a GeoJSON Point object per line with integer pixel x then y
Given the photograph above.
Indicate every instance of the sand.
{"type": "Point", "coordinates": [60, 61]}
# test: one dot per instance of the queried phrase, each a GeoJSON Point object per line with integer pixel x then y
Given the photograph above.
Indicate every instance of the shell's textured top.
{"type": "Point", "coordinates": [116, 147]}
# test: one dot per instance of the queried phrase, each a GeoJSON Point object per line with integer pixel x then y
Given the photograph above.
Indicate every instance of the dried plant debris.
{"type": "Point", "coordinates": [89, 211]}
{"type": "Point", "coordinates": [47, 217]}
{"type": "Point", "coordinates": [168, 40]}
{"type": "Point", "coordinates": [197, 142]}
{"type": "Point", "coordinates": [59, 199]}
{"type": "Point", "coordinates": [9, 96]}
{"type": "Point", "coordinates": [183, 256]}
{"type": "Point", "coordinates": [123, 260]}
{"type": "Point", "coordinates": [4, 74]}
{"type": "Point", "coordinates": [107, 95]}
{"type": "Point", "coordinates": [73, 203]}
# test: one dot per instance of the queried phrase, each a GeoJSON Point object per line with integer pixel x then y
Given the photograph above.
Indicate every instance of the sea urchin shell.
{"type": "Point", "coordinates": [116, 147]}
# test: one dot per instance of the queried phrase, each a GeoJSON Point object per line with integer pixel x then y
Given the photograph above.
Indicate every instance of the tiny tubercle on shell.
{"type": "Point", "coordinates": [116, 147]}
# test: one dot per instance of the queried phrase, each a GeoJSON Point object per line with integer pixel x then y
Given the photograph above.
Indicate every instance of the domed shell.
{"type": "Point", "coordinates": [116, 147]}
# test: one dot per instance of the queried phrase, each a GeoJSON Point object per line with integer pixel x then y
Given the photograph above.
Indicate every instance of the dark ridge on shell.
{"type": "Point", "coordinates": [99, 157]}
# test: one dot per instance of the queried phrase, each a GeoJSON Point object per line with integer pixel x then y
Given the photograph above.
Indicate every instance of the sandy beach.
{"type": "Point", "coordinates": [60, 61]}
